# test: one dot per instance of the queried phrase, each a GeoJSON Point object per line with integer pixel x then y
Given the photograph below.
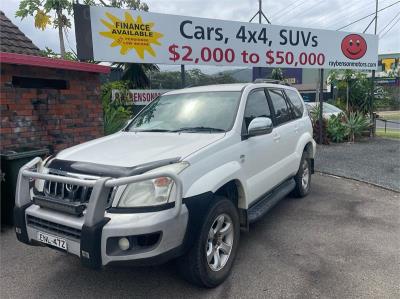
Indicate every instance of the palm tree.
{"type": "Point", "coordinates": [137, 73]}
{"type": "Point", "coordinates": [40, 11]}
{"type": "Point", "coordinates": [277, 74]}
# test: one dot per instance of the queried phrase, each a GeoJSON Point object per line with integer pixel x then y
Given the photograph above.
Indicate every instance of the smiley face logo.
{"type": "Point", "coordinates": [354, 46]}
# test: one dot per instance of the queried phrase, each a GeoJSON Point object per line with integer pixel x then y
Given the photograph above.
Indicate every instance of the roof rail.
{"type": "Point", "coordinates": [273, 81]}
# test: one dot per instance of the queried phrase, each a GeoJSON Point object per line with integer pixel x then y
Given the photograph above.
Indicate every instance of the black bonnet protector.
{"type": "Point", "coordinates": [106, 170]}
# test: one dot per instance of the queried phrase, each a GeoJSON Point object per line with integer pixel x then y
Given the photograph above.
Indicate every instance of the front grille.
{"type": "Point", "coordinates": [64, 197]}
{"type": "Point", "coordinates": [69, 192]}
{"type": "Point", "coordinates": [58, 229]}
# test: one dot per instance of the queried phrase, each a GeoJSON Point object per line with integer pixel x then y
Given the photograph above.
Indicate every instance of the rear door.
{"type": "Point", "coordinates": [299, 122]}
{"type": "Point", "coordinates": [296, 103]}
{"type": "Point", "coordinates": [284, 133]}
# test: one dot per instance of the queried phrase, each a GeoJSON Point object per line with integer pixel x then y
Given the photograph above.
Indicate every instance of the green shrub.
{"type": "Point", "coordinates": [115, 119]}
{"type": "Point", "coordinates": [115, 113]}
{"type": "Point", "coordinates": [356, 125]}
{"type": "Point", "coordinates": [337, 130]}
{"type": "Point", "coordinates": [314, 113]}
{"type": "Point", "coordinates": [340, 104]}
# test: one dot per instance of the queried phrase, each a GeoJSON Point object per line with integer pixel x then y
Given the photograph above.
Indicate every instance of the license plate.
{"type": "Point", "coordinates": [52, 240]}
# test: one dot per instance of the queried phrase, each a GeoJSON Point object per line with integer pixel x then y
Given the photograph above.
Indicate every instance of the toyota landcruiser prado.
{"type": "Point", "coordinates": [181, 180]}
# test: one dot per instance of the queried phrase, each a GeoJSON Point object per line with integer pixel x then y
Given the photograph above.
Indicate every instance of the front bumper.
{"type": "Point", "coordinates": [92, 236]}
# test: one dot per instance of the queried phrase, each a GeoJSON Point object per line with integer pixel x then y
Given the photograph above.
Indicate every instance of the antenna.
{"type": "Point", "coordinates": [260, 14]}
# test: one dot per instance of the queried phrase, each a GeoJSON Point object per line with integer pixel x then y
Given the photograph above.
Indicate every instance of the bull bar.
{"type": "Point", "coordinates": [94, 219]}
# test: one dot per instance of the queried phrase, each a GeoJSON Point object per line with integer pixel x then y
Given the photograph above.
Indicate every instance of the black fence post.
{"type": "Point", "coordinates": [321, 101]}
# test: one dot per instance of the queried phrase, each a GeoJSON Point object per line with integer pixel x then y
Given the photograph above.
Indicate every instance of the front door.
{"type": "Point", "coordinates": [260, 152]}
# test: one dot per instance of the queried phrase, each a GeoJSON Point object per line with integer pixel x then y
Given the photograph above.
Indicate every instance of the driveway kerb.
{"type": "Point", "coordinates": [357, 180]}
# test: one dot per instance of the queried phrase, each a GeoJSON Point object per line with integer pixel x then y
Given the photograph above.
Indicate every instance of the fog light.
{"type": "Point", "coordinates": [123, 244]}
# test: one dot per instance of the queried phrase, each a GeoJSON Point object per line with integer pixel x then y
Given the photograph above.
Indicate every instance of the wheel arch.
{"type": "Point", "coordinates": [305, 143]}
{"type": "Point", "coordinates": [218, 179]}
{"type": "Point", "coordinates": [233, 190]}
{"type": "Point", "coordinates": [309, 150]}
{"type": "Point", "coordinates": [225, 181]}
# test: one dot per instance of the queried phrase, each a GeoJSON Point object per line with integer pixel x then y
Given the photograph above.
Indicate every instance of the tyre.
{"type": "Point", "coordinates": [209, 262]}
{"type": "Point", "coordinates": [303, 178]}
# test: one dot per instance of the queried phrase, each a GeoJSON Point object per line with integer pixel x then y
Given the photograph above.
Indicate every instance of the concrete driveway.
{"type": "Point", "coordinates": [342, 241]}
{"type": "Point", "coordinates": [376, 161]}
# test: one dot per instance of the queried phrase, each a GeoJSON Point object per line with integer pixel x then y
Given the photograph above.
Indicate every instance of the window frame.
{"type": "Point", "coordinates": [291, 104]}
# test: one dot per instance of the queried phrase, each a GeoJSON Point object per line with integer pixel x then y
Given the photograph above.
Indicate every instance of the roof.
{"type": "Point", "coordinates": [38, 61]}
{"type": "Point", "coordinates": [14, 40]}
{"type": "Point", "coordinates": [227, 87]}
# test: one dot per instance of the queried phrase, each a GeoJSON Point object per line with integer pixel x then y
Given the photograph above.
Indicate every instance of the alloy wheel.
{"type": "Point", "coordinates": [305, 178]}
{"type": "Point", "coordinates": [219, 242]}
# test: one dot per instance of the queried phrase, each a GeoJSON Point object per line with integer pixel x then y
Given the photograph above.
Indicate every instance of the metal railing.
{"type": "Point", "coordinates": [387, 121]}
{"type": "Point", "coordinates": [101, 188]}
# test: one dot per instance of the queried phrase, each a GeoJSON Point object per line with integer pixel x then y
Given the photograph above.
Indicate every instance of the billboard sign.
{"type": "Point", "coordinates": [119, 35]}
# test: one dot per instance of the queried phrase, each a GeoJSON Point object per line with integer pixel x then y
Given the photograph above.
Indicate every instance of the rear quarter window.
{"type": "Point", "coordinates": [281, 110]}
{"type": "Point", "coordinates": [296, 101]}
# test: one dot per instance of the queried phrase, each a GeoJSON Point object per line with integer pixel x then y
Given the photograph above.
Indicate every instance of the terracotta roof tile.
{"type": "Point", "coordinates": [13, 40]}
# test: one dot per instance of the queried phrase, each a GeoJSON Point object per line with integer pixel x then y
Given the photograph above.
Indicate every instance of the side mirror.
{"type": "Point", "coordinates": [260, 126]}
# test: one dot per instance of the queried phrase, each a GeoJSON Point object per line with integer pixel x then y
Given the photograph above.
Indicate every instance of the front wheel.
{"type": "Point", "coordinates": [303, 178]}
{"type": "Point", "coordinates": [209, 262]}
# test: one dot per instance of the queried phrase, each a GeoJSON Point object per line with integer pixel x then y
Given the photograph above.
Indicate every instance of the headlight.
{"type": "Point", "coordinates": [151, 192]}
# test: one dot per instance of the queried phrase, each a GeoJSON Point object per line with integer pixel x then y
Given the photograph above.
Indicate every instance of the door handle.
{"type": "Point", "coordinates": [296, 128]}
{"type": "Point", "coordinates": [276, 137]}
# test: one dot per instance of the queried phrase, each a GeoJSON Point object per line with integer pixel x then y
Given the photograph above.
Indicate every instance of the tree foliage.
{"type": "Point", "coordinates": [136, 74]}
{"type": "Point", "coordinates": [115, 114]}
{"type": "Point", "coordinates": [126, 4]}
{"type": "Point", "coordinates": [277, 74]}
{"type": "Point", "coordinates": [354, 89]}
{"type": "Point", "coordinates": [48, 12]}
{"type": "Point", "coordinates": [336, 129]}
{"type": "Point", "coordinates": [194, 77]}
{"type": "Point", "coordinates": [47, 52]}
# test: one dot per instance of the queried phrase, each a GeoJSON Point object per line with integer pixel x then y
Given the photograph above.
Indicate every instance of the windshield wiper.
{"type": "Point", "coordinates": [199, 129]}
{"type": "Point", "coordinates": [153, 130]}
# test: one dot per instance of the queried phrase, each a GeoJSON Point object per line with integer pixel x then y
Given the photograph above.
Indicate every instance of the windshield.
{"type": "Point", "coordinates": [328, 108]}
{"type": "Point", "coordinates": [192, 112]}
{"type": "Point", "coordinates": [331, 109]}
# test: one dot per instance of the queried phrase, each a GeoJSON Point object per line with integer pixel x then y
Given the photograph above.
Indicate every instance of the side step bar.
{"type": "Point", "coordinates": [261, 207]}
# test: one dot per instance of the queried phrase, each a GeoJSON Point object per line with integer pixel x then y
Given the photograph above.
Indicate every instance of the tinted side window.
{"type": "Point", "coordinates": [296, 101]}
{"type": "Point", "coordinates": [282, 111]}
{"type": "Point", "coordinates": [256, 106]}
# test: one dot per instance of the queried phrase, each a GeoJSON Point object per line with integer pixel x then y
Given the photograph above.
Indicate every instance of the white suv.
{"type": "Point", "coordinates": [180, 180]}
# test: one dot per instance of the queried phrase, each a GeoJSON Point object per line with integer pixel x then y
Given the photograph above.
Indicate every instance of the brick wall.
{"type": "Point", "coordinates": [50, 118]}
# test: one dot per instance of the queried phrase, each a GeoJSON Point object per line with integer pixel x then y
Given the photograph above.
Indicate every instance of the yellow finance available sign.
{"type": "Point", "coordinates": [129, 34]}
